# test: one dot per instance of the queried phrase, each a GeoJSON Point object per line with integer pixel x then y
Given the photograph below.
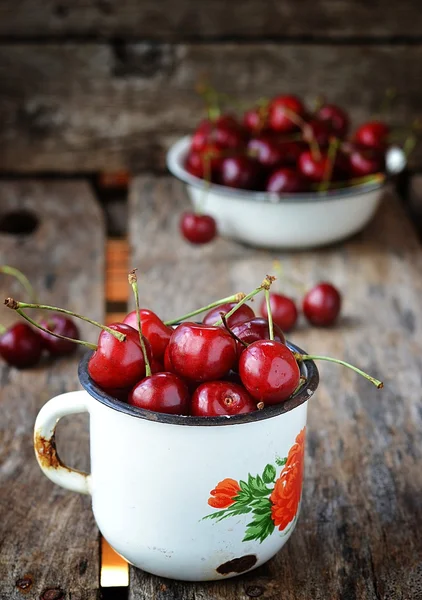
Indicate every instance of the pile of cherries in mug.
{"type": "Point", "coordinates": [232, 363]}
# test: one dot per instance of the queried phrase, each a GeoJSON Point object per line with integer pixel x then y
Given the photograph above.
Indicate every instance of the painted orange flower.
{"type": "Point", "coordinates": [288, 488]}
{"type": "Point", "coordinates": [222, 496]}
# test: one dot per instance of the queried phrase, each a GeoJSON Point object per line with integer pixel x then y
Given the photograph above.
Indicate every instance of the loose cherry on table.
{"type": "Point", "coordinates": [64, 326]}
{"type": "Point", "coordinates": [221, 398]}
{"type": "Point", "coordinates": [286, 181]}
{"type": "Point", "coordinates": [118, 364]}
{"type": "Point", "coordinates": [269, 371]}
{"type": "Point", "coordinates": [21, 346]}
{"type": "Point", "coordinates": [283, 309]}
{"type": "Point", "coordinates": [243, 313]}
{"type": "Point", "coordinates": [198, 229]}
{"type": "Point", "coordinates": [242, 172]}
{"type": "Point", "coordinates": [201, 352]}
{"type": "Point", "coordinates": [373, 135]}
{"type": "Point", "coordinates": [322, 304]}
{"type": "Point", "coordinates": [153, 328]}
{"type": "Point", "coordinates": [282, 113]}
{"type": "Point", "coordinates": [161, 392]}
{"type": "Point", "coordinates": [335, 117]}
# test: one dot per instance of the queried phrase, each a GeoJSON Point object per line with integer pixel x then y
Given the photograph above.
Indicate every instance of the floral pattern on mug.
{"type": "Point", "coordinates": [273, 501]}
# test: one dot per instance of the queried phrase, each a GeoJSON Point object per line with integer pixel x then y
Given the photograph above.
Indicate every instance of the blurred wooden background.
{"type": "Point", "coordinates": [89, 85]}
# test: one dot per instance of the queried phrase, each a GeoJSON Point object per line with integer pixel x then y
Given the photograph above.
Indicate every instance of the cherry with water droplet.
{"type": "Point", "coordinates": [161, 392]}
{"type": "Point", "coordinates": [221, 398]}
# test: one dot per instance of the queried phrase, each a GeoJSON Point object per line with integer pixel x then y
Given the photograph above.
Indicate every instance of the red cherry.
{"type": "Point", "coordinates": [256, 329]}
{"type": "Point", "coordinates": [156, 366]}
{"type": "Point", "coordinates": [319, 131]}
{"type": "Point", "coordinates": [225, 132]}
{"type": "Point", "coordinates": [255, 120]}
{"type": "Point", "coordinates": [269, 371]}
{"type": "Point", "coordinates": [201, 135]}
{"type": "Point", "coordinates": [266, 151]}
{"type": "Point", "coordinates": [167, 362]}
{"type": "Point", "coordinates": [240, 172]}
{"type": "Point", "coordinates": [291, 152]}
{"type": "Point", "coordinates": [120, 394]}
{"type": "Point", "coordinates": [283, 310]}
{"type": "Point", "coordinates": [221, 398]}
{"type": "Point", "coordinates": [285, 181]}
{"type": "Point", "coordinates": [243, 313]}
{"type": "Point", "coordinates": [115, 364]}
{"type": "Point", "coordinates": [162, 392]}
{"type": "Point", "coordinates": [322, 304]}
{"type": "Point", "coordinates": [195, 164]}
{"type": "Point", "coordinates": [315, 168]}
{"type": "Point", "coordinates": [198, 229]}
{"type": "Point", "coordinates": [336, 118]}
{"type": "Point", "coordinates": [279, 119]}
{"type": "Point", "coordinates": [365, 161]}
{"type": "Point", "coordinates": [373, 135]}
{"type": "Point", "coordinates": [21, 346]}
{"type": "Point", "coordinates": [153, 329]}
{"type": "Point", "coordinates": [61, 325]}
{"type": "Point", "coordinates": [201, 352]}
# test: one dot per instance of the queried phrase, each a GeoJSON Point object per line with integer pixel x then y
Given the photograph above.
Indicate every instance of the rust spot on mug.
{"type": "Point", "coordinates": [47, 452]}
{"type": "Point", "coordinates": [52, 594]}
{"type": "Point", "coordinates": [238, 565]}
{"type": "Point", "coordinates": [24, 584]}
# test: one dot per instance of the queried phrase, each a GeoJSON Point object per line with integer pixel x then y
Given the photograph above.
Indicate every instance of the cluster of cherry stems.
{"type": "Point", "coordinates": [232, 363]}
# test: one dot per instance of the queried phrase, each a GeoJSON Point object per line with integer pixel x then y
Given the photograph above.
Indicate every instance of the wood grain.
{"type": "Point", "coordinates": [211, 19]}
{"type": "Point", "coordinates": [358, 534]}
{"type": "Point", "coordinates": [48, 535]}
{"type": "Point", "coordinates": [94, 107]}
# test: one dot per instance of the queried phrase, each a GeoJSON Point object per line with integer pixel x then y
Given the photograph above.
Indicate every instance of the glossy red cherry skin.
{"type": "Point", "coordinates": [336, 118]}
{"type": "Point", "coordinates": [21, 346]}
{"type": "Point", "coordinates": [195, 164]}
{"type": "Point", "coordinates": [314, 168]}
{"type": "Point", "coordinates": [63, 326]}
{"type": "Point", "coordinates": [373, 135]}
{"type": "Point", "coordinates": [153, 329]}
{"type": "Point", "coordinates": [198, 229]}
{"type": "Point", "coordinates": [256, 329]}
{"type": "Point", "coordinates": [221, 398]}
{"type": "Point", "coordinates": [285, 181]}
{"type": "Point", "coordinates": [115, 364]}
{"type": "Point", "coordinates": [365, 161]}
{"type": "Point", "coordinates": [283, 310]}
{"type": "Point", "coordinates": [255, 120]}
{"type": "Point", "coordinates": [266, 151]}
{"type": "Point", "coordinates": [241, 172]}
{"type": "Point", "coordinates": [278, 118]}
{"type": "Point", "coordinates": [225, 132]}
{"type": "Point", "coordinates": [319, 131]}
{"type": "Point", "coordinates": [243, 313]}
{"type": "Point", "coordinates": [269, 371]}
{"type": "Point", "coordinates": [201, 135]}
{"type": "Point", "coordinates": [200, 352]}
{"type": "Point", "coordinates": [322, 304]}
{"type": "Point", "coordinates": [162, 392]}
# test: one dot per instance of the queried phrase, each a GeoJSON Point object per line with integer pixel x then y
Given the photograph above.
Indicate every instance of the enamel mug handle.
{"type": "Point", "coordinates": [45, 442]}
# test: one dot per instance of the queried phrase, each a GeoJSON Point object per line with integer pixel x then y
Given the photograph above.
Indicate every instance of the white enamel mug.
{"type": "Point", "coordinates": [187, 498]}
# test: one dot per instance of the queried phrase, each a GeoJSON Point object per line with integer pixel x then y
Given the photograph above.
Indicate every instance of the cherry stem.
{"type": "Point", "coordinates": [302, 380]}
{"type": "Point", "coordinates": [269, 314]}
{"type": "Point", "coordinates": [57, 335]}
{"type": "Point", "coordinates": [15, 305]}
{"type": "Point", "coordinates": [331, 156]}
{"type": "Point", "coordinates": [266, 284]}
{"type": "Point", "coordinates": [133, 281]}
{"type": "Point", "coordinates": [234, 298]}
{"type": "Point", "coordinates": [233, 335]}
{"type": "Point", "coordinates": [304, 127]}
{"type": "Point", "coordinates": [23, 280]}
{"type": "Point", "coordinates": [302, 357]}
{"type": "Point", "coordinates": [409, 144]}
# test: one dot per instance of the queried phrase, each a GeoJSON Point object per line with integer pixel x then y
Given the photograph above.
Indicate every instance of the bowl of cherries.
{"type": "Point", "coordinates": [197, 434]}
{"type": "Point", "coordinates": [283, 176]}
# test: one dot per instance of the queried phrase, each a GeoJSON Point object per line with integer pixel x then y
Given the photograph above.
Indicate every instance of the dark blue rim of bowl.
{"type": "Point", "coordinates": [308, 369]}
{"type": "Point", "coordinates": [250, 195]}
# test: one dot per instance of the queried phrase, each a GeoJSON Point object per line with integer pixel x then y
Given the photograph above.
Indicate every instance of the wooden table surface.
{"type": "Point", "coordinates": [358, 533]}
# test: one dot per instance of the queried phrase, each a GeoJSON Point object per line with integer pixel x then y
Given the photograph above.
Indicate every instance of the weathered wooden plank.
{"type": "Point", "coordinates": [89, 107]}
{"type": "Point", "coordinates": [48, 535]}
{"type": "Point", "coordinates": [357, 536]}
{"type": "Point", "coordinates": [169, 20]}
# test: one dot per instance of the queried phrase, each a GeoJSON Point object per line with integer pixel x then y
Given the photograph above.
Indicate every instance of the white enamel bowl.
{"type": "Point", "coordinates": [268, 220]}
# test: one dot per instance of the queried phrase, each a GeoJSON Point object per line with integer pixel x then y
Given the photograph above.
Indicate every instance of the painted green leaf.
{"type": "Point", "coordinates": [280, 461]}
{"type": "Point", "coordinates": [258, 487]}
{"type": "Point", "coordinates": [269, 474]}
